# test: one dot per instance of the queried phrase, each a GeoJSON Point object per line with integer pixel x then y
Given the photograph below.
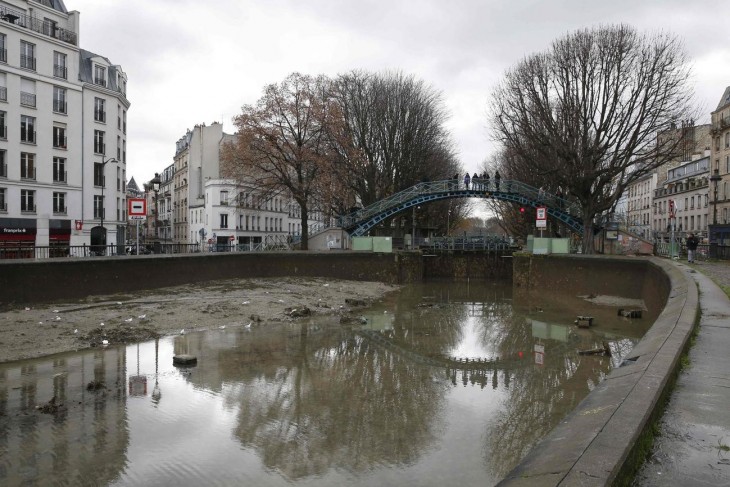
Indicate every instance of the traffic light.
{"type": "Point", "coordinates": [522, 210]}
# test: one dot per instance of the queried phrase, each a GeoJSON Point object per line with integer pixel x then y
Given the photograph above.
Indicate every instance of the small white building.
{"type": "Point", "coordinates": [233, 216]}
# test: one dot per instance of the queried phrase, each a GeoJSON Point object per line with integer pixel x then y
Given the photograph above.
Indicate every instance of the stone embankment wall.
{"type": "Point", "coordinates": [49, 280]}
{"type": "Point", "coordinates": [468, 265]}
{"type": "Point", "coordinates": [584, 275]}
{"type": "Point", "coordinates": [605, 438]}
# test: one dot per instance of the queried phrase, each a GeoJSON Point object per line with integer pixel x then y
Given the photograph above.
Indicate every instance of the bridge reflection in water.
{"type": "Point", "coordinates": [391, 401]}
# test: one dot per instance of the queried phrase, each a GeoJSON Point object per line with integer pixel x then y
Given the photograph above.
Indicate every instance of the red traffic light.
{"type": "Point", "coordinates": [522, 209]}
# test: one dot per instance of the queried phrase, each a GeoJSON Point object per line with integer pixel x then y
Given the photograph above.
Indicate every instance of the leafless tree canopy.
{"type": "Point", "coordinates": [397, 126]}
{"type": "Point", "coordinates": [584, 115]}
{"type": "Point", "coordinates": [334, 144]}
{"type": "Point", "coordinates": [283, 143]}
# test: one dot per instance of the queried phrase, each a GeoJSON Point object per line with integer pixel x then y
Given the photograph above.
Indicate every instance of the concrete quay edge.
{"type": "Point", "coordinates": [598, 443]}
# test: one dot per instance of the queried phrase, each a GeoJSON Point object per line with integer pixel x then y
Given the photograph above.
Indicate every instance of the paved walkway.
{"type": "Point", "coordinates": [693, 447]}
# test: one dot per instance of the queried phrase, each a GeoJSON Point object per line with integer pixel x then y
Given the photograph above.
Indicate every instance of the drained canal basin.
{"type": "Point", "coordinates": [440, 383]}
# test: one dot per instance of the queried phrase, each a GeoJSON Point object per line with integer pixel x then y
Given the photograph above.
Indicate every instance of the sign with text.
{"type": "Point", "coordinates": [136, 207]}
{"type": "Point", "coordinates": [541, 217]}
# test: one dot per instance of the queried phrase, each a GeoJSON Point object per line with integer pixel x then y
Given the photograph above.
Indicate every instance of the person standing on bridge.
{"type": "Point", "coordinates": [497, 177]}
{"type": "Point", "coordinates": [475, 181]}
{"type": "Point", "coordinates": [485, 178]}
{"type": "Point", "coordinates": [466, 180]}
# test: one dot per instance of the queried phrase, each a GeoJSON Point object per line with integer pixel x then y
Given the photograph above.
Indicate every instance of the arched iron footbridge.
{"type": "Point", "coordinates": [361, 221]}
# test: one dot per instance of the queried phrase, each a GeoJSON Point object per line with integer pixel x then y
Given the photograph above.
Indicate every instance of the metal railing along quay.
{"type": "Point", "coordinates": [58, 251]}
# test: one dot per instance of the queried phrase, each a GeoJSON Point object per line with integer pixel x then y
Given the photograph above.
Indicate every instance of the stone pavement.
{"type": "Point", "coordinates": [693, 446]}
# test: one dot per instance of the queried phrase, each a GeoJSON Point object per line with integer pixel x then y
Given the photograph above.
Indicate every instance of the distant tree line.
{"type": "Point", "coordinates": [338, 143]}
{"type": "Point", "coordinates": [580, 119]}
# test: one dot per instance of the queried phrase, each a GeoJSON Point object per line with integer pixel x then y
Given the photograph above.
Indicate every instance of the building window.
{"type": "Point", "coordinates": [98, 174]}
{"type": "Point", "coordinates": [3, 165]}
{"type": "Point", "coordinates": [98, 206]}
{"type": "Point", "coordinates": [100, 110]}
{"type": "Point", "coordinates": [727, 140]}
{"type": "Point", "coordinates": [27, 55]}
{"type": "Point", "coordinates": [59, 170]}
{"type": "Point", "coordinates": [59, 65]}
{"type": "Point", "coordinates": [27, 200]}
{"type": "Point", "coordinates": [99, 75]}
{"type": "Point", "coordinates": [27, 129]}
{"type": "Point", "coordinates": [99, 147]}
{"type": "Point", "coordinates": [3, 49]}
{"type": "Point", "coordinates": [3, 125]}
{"type": "Point", "coordinates": [224, 197]}
{"type": "Point", "coordinates": [59, 137]}
{"type": "Point", "coordinates": [224, 220]}
{"type": "Point", "coordinates": [3, 200]}
{"type": "Point", "coordinates": [27, 165]}
{"type": "Point", "coordinates": [59, 203]}
{"type": "Point", "coordinates": [27, 92]}
{"type": "Point", "coordinates": [59, 99]}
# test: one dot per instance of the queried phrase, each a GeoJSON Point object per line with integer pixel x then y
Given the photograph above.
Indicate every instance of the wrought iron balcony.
{"type": "Point", "coordinates": [59, 106]}
{"type": "Point", "coordinates": [59, 71]}
{"type": "Point", "coordinates": [27, 99]}
{"type": "Point", "coordinates": [36, 25]}
{"type": "Point", "coordinates": [27, 62]}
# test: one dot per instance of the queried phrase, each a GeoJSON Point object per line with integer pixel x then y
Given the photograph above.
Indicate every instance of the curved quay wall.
{"type": "Point", "coordinates": [603, 440]}
{"type": "Point", "coordinates": [596, 444]}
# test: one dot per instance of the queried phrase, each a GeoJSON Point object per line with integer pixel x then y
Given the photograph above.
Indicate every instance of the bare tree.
{"type": "Point", "coordinates": [283, 144]}
{"type": "Point", "coordinates": [585, 114]}
{"type": "Point", "coordinates": [396, 124]}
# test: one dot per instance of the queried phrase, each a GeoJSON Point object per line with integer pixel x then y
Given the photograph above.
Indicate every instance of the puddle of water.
{"type": "Point", "coordinates": [441, 383]}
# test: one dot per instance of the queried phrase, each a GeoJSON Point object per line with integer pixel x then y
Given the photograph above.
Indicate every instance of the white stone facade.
{"type": "Point", "coordinates": [687, 186]}
{"type": "Point", "coordinates": [62, 133]}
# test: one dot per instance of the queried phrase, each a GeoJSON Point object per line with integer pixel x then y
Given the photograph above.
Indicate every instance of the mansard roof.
{"type": "Point", "coordinates": [725, 100]}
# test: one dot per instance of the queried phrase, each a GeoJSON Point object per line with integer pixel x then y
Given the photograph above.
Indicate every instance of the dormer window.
{"type": "Point", "coordinates": [100, 75]}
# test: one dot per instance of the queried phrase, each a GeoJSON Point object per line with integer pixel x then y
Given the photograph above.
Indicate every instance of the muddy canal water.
{"type": "Point", "coordinates": [439, 384]}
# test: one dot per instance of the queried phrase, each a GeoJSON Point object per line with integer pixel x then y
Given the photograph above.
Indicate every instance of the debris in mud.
{"type": "Point", "coordinates": [255, 318]}
{"type": "Point", "coordinates": [356, 302]}
{"type": "Point", "coordinates": [119, 335]}
{"type": "Point", "coordinates": [95, 385]}
{"type": "Point", "coordinates": [604, 350]}
{"type": "Point", "coordinates": [298, 312]}
{"type": "Point", "coordinates": [51, 407]}
{"type": "Point", "coordinates": [349, 320]}
{"type": "Point", "coordinates": [584, 321]}
{"type": "Point", "coordinates": [629, 313]}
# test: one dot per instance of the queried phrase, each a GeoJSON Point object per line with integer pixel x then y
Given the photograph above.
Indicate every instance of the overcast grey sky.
{"type": "Point", "coordinates": [192, 61]}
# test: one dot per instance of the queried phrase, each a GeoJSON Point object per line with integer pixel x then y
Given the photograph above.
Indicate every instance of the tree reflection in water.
{"type": "Point", "coordinates": [337, 402]}
{"type": "Point", "coordinates": [315, 398]}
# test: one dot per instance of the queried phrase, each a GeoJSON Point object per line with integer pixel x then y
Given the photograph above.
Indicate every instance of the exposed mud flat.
{"type": "Point", "coordinates": [36, 331]}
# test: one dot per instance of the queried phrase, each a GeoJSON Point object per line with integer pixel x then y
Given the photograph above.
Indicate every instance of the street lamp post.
{"type": "Point", "coordinates": [715, 178]}
{"type": "Point", "coordinates": [102, 210]}
{"type": "Point", "coordinates": [155, 182]}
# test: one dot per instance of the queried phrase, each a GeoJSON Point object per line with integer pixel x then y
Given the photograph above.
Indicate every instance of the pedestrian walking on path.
{"type": "Point", "coordinates": [692, 243]}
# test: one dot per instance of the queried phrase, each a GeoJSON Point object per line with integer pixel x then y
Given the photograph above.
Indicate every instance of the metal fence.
{"type": "Point", "coordinates": [704, 251]}
{"type": "Point", "coordinates": [479, 244]}
{"type": "Point", "coordinates": [59, 251]}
